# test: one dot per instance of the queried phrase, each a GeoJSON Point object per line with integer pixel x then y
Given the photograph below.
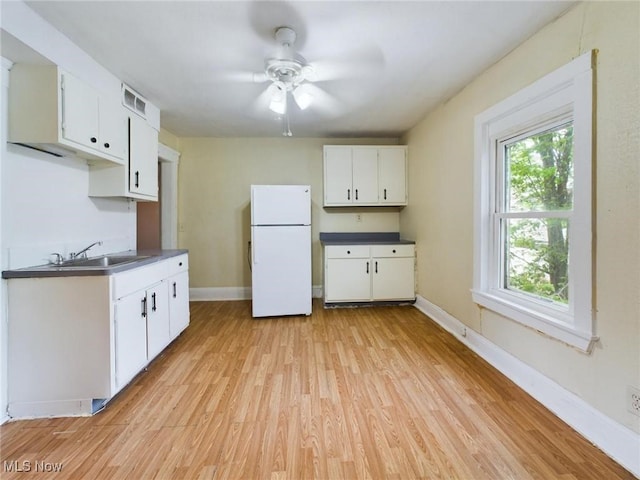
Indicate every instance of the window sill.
{"type": "Point", "coordinates": [547, 325]}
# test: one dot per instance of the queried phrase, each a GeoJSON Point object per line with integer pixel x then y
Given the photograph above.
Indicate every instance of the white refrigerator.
{"type": "Point", "coordinates": [280, 250]}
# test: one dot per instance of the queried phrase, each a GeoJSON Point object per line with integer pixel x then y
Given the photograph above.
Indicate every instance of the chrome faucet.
{"type": "Point", "coordinates": [59, 258]}
{"type": "Point", "coordinates": [83, 252]}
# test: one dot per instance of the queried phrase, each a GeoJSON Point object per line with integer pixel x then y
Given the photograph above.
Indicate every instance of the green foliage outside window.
{"type": "Point", "coordinates": [539, 178]}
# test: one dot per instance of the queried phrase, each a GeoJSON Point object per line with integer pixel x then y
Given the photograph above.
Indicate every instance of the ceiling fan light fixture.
{"type": "Point", "coordinates": [302, 97]}
{"type": "Point", "coordinates": [278, 102]}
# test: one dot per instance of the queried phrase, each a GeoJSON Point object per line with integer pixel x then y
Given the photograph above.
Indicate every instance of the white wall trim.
{"type": "Point", "coordinates": [214, 294]}
{"type": "Point", "coordinates": [169, 160]}
{"type": "Point", "coordinates": [617, 441]}
{"type": "Point", "coordinates": [167, 154]}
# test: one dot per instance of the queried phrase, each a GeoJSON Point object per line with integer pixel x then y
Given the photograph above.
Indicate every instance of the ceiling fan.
{"type": "Point", "coordinates": [289, 74]}
{"type": "Point", "coordinates": [330, 85]}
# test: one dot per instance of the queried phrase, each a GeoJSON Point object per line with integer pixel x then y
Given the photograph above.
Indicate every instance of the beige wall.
{"type": "Point", "coordinates": [168, 138]}
{"type": "Point", "coordinates": [215, 175]}
{"type": "Point", "coordinates": [440, 215]}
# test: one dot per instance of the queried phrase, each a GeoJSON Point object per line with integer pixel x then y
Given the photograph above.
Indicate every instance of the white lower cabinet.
{"type": "Point", "coordinates": [74, 342]}
{"type": "Point", "coordinates": [141, 330]}
{"type": "Point", "coordinates": [347, 274]}
{"type": "Point", "coordinates": [366, 273]}
{"type": "Point", "coordinates": [178, 303]}
{"type": "Point", "coordinates": [157, 306]}
{"type": "Point", "coordinates": [130, 338]}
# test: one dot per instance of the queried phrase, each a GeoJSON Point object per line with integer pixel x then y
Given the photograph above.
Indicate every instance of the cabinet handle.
{"type": "Point", "coordinates": [137, 182]}
{"type": "Point", "coordinates": [94, 139]}
{"type": "Point", "coordinates": [144, 307]}
{"type": "Point", "coordinates": [356, 193]}
{"type": "Point", "coordinates": [376, 266]}
{"type": "Point", "coordinates": [106, 145]}
{"type": "Point", "coordinates": [385, 193]}
{"type": "Point", "coordinates": [367, 267]}
{"type": "Point", "coordinates": [175, 290]}
{"type": "Point", "coordinates": [348, 252]}
{"type": "Point", "coordinates": [153, 302]}
{"type": "Point", "coordinates": [348, 194]}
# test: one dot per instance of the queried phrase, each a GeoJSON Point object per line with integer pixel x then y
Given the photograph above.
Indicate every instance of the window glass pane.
{"type": "Point", "coordinates": [536, 257]}
{"type": "Point", "coordinates": [539, 171]}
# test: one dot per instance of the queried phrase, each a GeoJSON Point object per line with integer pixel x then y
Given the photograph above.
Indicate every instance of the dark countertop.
{"type": "Point", "coordinates": [363, 238]}
{"type": "Point", "coordinates": [52, 270]}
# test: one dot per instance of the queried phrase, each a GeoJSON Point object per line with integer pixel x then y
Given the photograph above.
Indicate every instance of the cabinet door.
{"type": "Point", "coordinates": [79, 112]}
{"type": "Point", "coordinates": [178, 303]}
{"type": "Point", "coordinates": [393, 278]}
{"type": "Point", "coordinates": [130, 337]}
{"type": "Point", "coordinates": [348, 280]}
{"type": "Point", "coordinates": [158, 331]}
{"type": "Point", "coordinates": [337, 176]}
{"type": "Point", "coordinates": [392, 176]}
{"type": "Point", "coordinates": [143, 158]}
{"type": "Point", "coordinates": [113, 128]}
{"type": "Point", "coordinates": [365, 175]}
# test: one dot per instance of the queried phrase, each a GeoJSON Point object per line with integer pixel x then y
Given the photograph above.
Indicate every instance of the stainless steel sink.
{"type": "Point", "coordinates": [104, 261]}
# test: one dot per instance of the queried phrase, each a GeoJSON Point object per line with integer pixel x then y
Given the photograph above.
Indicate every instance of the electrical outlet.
{"type": "Point", "coordinates": [633, 400]}
{"type": "Point", "coordinates": [358, 217]}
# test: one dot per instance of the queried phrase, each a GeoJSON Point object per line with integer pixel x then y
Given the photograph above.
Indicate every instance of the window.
{"type": "Point", "coordinates": [533, 257]}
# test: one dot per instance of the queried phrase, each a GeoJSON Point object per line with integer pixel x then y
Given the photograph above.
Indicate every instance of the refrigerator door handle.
{"type": "Point", "coordinates": [254, 259]}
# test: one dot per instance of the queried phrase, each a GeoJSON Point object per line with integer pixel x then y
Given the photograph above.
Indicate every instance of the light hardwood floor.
{"type": "Point", "coordinates": [344, 394]}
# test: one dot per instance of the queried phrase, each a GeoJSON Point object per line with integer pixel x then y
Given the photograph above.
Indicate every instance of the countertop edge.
{"type": "Point", "coordinates": [363, 238]}
{"type": "Point", "coordinates": [48, 271]}
{"type": "Point", "coordinates": [388, 242]}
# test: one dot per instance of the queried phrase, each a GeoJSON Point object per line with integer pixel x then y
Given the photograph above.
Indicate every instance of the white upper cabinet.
{"type": "Point", "coordinates": [143, 158]}
{"type": "Point", "coordinates": [53, 111]}
{"type": "Point", "coordinates": [113, 129]}
{"type": "Point", "coordinates": [338, 176]}
{"type": "Point", "coordinates": [364, 165]}
{"type": "Point", "coordinates": [359, 175]}
{"type": "Point", "coordinates": [392, 176]}
{"type": "Point", "coordinates": [139, 178]}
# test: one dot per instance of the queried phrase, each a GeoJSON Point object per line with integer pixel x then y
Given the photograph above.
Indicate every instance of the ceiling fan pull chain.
{"type": "Point", "coordinates": [286, 130]}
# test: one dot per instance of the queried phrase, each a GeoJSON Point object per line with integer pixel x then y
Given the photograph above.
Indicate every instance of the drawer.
{"type": "Point", "coordinates": [403, 250]}
{"type": "Point", "coordinates": [177, 264]}
{"type": "Point", "coordinates": [347, 251]}
{"type": "Point", "coordinates": [136, 279]}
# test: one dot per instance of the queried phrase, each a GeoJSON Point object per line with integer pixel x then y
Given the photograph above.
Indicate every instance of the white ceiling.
{"type": "Point", "coordinates": [381, 65]}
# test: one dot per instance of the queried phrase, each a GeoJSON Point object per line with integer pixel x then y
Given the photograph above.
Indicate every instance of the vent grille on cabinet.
{"type": "Point", "coordinates": [134, 101]}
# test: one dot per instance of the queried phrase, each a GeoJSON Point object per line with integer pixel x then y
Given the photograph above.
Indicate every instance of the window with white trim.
{"type": "Point", "coordinates": [533, 205]}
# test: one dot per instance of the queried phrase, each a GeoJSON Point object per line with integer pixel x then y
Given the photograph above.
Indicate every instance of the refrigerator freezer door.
{"type": "Point", "coordinates": [281, 270]}
{"type": "Point", "coordinates": [280, 205]}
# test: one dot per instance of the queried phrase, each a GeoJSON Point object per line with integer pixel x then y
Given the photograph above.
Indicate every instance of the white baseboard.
{"type": "Point", "coordinates": [617, 441]}
{"type": "Point", "coordinates": [232, 293]}
{"type": "Point", "coordinates": [220, 293]}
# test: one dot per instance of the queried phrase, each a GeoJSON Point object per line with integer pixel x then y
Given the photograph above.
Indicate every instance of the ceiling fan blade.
{"type": "Point", "coordinates": [356, 64]}
{"type": "Point", "coordinates": [238, 76]}
{"type": "Point", "coordinates": [323, 102]}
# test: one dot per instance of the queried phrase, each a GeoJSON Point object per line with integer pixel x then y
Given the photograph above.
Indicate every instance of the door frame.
{"type": "Point", "coordinates": [169, 160]}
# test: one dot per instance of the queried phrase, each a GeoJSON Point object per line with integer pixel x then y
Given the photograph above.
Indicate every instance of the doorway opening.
{"type": "Point", "coordinates": [157, 222]}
